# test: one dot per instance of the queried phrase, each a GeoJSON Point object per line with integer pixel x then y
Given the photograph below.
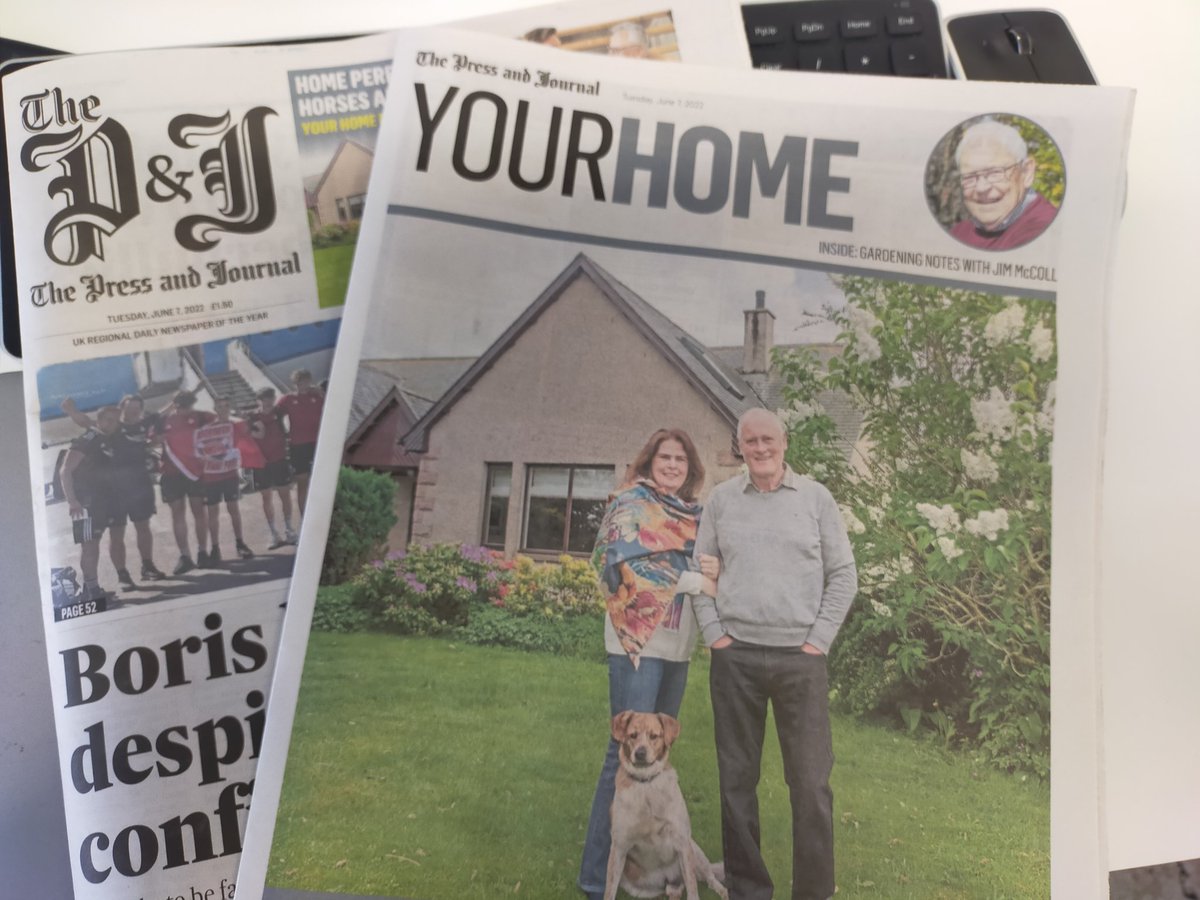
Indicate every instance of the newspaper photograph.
{"type": "Point", "coordinates": [674, 407]}
{"type": "Point", "coordinates": [705, 32]}
{"type": "Point", "coordinates": [179, 300]}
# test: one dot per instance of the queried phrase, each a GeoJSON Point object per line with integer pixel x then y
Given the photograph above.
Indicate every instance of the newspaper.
{"type": "Point", "coordinates": [560, 256]}
{"type": "Point", "coordinates": [185, 224]}
{"type": "Point", "coordinates": [181, 277]}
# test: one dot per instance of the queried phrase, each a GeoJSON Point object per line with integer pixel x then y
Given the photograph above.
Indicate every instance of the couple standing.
{"type": "Point", "coordinates": [775, 579]}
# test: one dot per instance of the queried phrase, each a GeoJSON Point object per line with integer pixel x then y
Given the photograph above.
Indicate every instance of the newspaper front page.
{"type": "Point", "coordinates": [184, 227]}
{"type": "Point", "coordinates": [561, 256]}
{"type": "Point", "coordinates": [186, 222]}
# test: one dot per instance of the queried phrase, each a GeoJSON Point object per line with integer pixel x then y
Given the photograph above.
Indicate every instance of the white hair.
{"type": "Point", "coordinates": [989, 131]}
{"type": "Point", "coordinates": [759, 412]}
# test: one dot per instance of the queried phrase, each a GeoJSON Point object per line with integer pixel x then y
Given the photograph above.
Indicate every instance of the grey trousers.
{"type": "Point", "coordinates": [742, 680]}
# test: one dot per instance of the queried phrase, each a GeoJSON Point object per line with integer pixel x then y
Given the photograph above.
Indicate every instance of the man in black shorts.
{"type": "Point", "coordinates": [276, 473]}
{"type": "Point", "coordinates": [86, 482]}
{"type": "Point", "coordinates": [180, 481]}
{"type": "Point", "coordinates": [132, 481]}
{"type": "Point", "coordinates": [217, 442]}
{"type": "Point", "coordinates": [303, 408]}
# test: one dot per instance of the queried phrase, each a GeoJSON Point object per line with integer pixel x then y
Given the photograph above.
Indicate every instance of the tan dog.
{"type": "Point", "coordinates": [652, 848]}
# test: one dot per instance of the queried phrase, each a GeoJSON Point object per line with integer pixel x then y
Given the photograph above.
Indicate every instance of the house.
{"type": "Point", "coordinates": [337, 195]}
{"type": "Point", "coordinates": [383, 409]}
{"type": "Point", "coordinates": [522, 448]}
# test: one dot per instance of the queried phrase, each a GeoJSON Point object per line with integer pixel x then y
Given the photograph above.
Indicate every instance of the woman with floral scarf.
{"type": "Point", "coordinates": [644, 558]}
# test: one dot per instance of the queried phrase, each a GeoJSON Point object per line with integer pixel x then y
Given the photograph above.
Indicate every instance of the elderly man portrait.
{"type": "Point", "coordinates": [787, 581]}
{"type": "Point", "coordinates": [995, 175]}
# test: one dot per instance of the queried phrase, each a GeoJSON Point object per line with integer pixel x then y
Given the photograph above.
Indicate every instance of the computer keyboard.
{"type": "Point", "coordinates": [876, 37]}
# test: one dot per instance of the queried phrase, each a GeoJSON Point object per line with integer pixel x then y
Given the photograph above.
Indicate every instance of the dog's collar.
{"type": "Point", "coordinates": [635, 773]}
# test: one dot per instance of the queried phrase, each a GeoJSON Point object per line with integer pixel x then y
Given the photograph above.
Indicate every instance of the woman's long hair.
{"type": "Point", "coordinates": [640, 467]}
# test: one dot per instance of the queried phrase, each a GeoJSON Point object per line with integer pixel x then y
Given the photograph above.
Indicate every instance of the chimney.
{"type": "Point", "coordinates": [760, 335]}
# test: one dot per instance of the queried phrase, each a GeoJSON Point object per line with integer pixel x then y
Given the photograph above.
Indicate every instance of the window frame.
{"type": "Point", "coordinates": [489, 468]}
{"type": "Point", "coordinates": [565, 542]}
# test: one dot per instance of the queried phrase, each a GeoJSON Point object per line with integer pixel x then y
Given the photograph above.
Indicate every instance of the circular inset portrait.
{"type": "Point", "coordinates": [995, 182]}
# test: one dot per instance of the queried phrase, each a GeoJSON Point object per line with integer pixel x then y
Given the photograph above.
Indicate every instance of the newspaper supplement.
{"type": "Point", "coordinates": [184, 224]}
{"type": "Point", "coordinates": [904, 281]}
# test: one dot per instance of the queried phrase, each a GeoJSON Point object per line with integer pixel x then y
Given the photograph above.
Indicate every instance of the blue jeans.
{"type": "Point", "coordinates": [655, 686]}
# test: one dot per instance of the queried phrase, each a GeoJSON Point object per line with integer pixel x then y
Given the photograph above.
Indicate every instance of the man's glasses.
{"type": "Point", "coordinates": [987, 176]}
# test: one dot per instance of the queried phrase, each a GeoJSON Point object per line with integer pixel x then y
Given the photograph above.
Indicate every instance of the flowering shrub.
{"type": "Point", "coordinates": [567, 589]}
{"type": "Point", "coordinates": [334, 234]}
{"type": "Point", "coordinates": [428, 590]}
{"type": "Point", "coordinates": [947, 501]}
{"type": "Point", "coordinates": [443, 588]}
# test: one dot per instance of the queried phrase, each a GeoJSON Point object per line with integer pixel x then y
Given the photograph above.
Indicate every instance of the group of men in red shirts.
{"type": "Point", "coordinates": [107, 474]}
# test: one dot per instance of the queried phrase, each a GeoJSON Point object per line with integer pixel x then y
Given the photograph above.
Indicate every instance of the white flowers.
{"type": "Point", "coordinates": [1005, 325]}
{"type": "Point", "coordinates": [993, 415]}
{"type": "Point", "coordinates": [988, 523]}
{"type": "Point", "coordinates": [1041, 342]}
{"type": "Point", "coordinates": [862, 323]}
{"type": "Point", "coordinates": [798, 412]}
{"type": "Point", "coordinates": [980, 466]}
{"type": "Point", "coordinates": [881, 609]}
{"type": "Point", "coordinates": [853, 524]}
{"type": "Point", "coordinates": [940, 518]}
{"type": "Point", "coordinates": [945, 521]}
{"type": "Point", "coordinates": [949, 549]}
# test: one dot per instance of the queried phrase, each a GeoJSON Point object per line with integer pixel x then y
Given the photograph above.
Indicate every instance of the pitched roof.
{"type": "Point", "coordinates": [371, 387]}
{"type": "Point", "coordinates": [380, 412]}
{"type": "Point", "coordinates": [314, 188]}
{"type": "Point", "coordinates": [726, 390]}
{"type": "Point", "coordinates": [422, 381]}
{"type": "Point", "coordinates": [847, 419]}
{"type": "Point", "coordinates": [426, 384]}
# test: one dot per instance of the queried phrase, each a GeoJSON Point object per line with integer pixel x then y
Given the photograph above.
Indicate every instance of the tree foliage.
{"type": "Point", "coordinates": [947, 499]}
{"type": "Point", "coordinates": [359, 524]}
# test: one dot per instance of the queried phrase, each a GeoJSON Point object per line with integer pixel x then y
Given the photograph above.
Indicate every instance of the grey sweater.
{"type": "Point", "coordinates": [787, 570]}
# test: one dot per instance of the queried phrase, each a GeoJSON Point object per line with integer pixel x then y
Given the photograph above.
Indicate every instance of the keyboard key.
{"type": "Point", "coordinates": [813, 30]}
{"type": "Point", "coordinates": [867, 58]}
{"type": "Point", "coordinates": [903, 23]}
{"type": "Point", "coordinates": [766, 34]}
{"type": "Point", "coordinates": [908, 58]}
{"type": "Point", "coordinates": [860, 26]}
{"type": "Point", "coordinates": [882, 37]}
{"type": "Point", "coordinates": [820, 59]}
{"type": "Point", "coordinates": [779, 56]}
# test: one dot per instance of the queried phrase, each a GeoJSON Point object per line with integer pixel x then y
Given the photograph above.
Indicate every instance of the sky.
{"type": "Point", "coordinates": [469, 284]}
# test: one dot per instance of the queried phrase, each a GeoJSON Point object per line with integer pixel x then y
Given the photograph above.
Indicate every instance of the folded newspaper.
{"type": "Point", "coordinates": [560, 257]}
{"type": "Point", "coordinates": [185, 223]}
{"type": "Point", "coordinates": [180, 282]}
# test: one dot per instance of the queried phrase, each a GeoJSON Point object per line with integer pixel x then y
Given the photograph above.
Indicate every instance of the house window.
{"type": "Point", "coordinates": [565, 506]}
{"type": "Point", "coordinates": [355, 204]}
{"type": "Point", "coordinates": [343, 214]}
{"type": "Point", "coordinates": [495, 504]}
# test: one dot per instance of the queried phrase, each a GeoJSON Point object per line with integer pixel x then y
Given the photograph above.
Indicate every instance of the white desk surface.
{"type": "Point", "coordinates": [1150, 612]}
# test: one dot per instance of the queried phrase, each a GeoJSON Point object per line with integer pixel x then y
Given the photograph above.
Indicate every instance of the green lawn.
{"type": "Point", "coordinates": [333, 273]}
{"type": "Point", "coordinates": [426, 769]}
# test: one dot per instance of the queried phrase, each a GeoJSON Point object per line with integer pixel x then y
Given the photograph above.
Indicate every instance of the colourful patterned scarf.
{"type": "Point", "coordinates": [645, 542]}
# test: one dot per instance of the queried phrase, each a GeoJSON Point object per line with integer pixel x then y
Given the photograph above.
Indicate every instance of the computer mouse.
{"type": "Point", "coordinates": [1018, 45]}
